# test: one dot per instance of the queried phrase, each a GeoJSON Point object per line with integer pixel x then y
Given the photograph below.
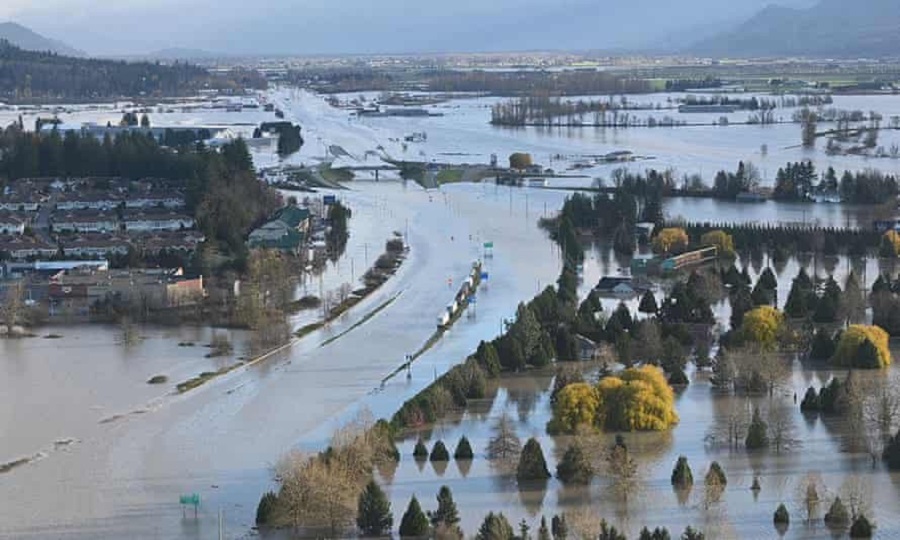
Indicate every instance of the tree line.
{"type": "Point", "coordinates": [28, 76]}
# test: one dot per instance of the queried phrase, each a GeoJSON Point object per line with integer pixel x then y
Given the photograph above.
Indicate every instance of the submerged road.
{"type": "Point", "coordinates": [123, 478]}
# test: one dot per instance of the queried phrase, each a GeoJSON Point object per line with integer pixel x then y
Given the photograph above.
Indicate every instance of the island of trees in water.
{"type": "Point", "coordinates": [31, 76]}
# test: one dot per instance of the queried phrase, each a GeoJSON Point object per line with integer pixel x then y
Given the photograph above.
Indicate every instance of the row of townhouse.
{"type": "Point", "coordinates": [99, 245]}
{"type": "Point", "coordinates": [109, 200]}
{"type": "Point", "coordinates": [131, 221]}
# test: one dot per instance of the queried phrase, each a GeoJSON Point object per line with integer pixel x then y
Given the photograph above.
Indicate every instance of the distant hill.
{"type": "Point", "coordinates": [30, 76]}
{"type": "Point", "coordinates": [27, 39]}
{"type": "Point", "coordinates": [830, 28]}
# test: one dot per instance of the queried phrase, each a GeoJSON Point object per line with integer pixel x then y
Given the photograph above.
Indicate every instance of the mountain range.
{"type": "Point", "coordinates": [27, 39]}
{"type": "Point", "coordinates": [832, 28]}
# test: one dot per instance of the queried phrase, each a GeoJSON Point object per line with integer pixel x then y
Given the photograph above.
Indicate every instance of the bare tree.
{"type": "Point", "coordinates": [810, 495]}
{"type": "Point", "coordinates": [856, 493]}
{"type": "Point", "coordinates": [781, 428]}
{"type": "Point", "coordinates": [623, 471]}
{"type": "Point", "coordinates": [880, 414]}
{"type": "Point", "coordinates": [504, 446]}
{"type": "Point", "coordinates": [12, 309]}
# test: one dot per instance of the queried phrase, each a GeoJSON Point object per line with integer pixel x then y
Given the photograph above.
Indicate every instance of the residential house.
{"type": "Point", "coordinates": [154, 199]}
{"type": "Point", "coordinates": [12, 223]}
{"type": "Point", "coordinates": [20, 202]}
{"type": "Point", "coordinates": [617, 285]}
{"type": "Point", "coordinates": [85, 221]}
{"type": "Point", "coordinates": [146, 221]}
{"type": "Point", "coordinates": [286, 231]}
{"type": "Point", "coordinates": [22, 247]}
{"type": "Point", "coordinates": [92, 200]}
{"type": "Point", "coordinates": [95, 246]}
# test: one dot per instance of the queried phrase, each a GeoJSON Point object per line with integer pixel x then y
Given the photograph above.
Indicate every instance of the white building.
{"type": "Point", "coordinates": [154, 200]}
{"type": "Point", "coordinates": [85, 221]}
{"type": "Point", "coordinates": [146, 222]}
{"type": "Point", "coordinates": [86, 201]}
{"type": "Point", "coordinates": [11, 224]}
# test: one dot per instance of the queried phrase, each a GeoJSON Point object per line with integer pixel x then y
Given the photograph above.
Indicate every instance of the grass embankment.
{"type": "Point", "coordinates": [336, 175]}
{"type": "Point", "coordinates": [449, 176]}
{"type": "Point", "coordinates": [362, 321]}
{"type": "Point", "coordinates": [190, 384]}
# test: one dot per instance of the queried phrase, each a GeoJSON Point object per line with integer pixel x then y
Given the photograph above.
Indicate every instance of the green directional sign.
{"type": "Point", "coordinates": [193, 499]}
{"type": "Point", "coordinates": [488, 245]}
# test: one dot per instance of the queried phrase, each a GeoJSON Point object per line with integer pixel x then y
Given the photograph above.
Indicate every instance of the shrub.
{"type": "Point", "coordinates": [532, 465]}
{"type": "Point", "coordinates": [762, 326]}
{"type": "Point", "coordinates": [837, 518]}
{"type": "Point", "coordinates": [715, 476]}
{"type": "Point", "coordinates": [891, 453]}
{"type": "Point", "coordinates": [782, 517]}
{"type": "Point", "coordinates": [414, 524]}
{"type": "Point", "coordinates": [823, 346]}
{"type": "Point", "coordinates": [574, 467]}
{"type": "Point", "coordinates": [439, 452]}
{"type": "Point", "coordinates": [158, 379]}
{"type": "Point", "coordinates": [463, 449]}
{"type": "Point", "coordinates": [678, 378]}
{"type": "Point", "coordinates": [265, 512]}
{"type": "Point", "coordinates": [682, 476]}
{"type": "Point", "coordinates": [861, 528]}
{"type": "Point", "coordinates": [420, 451]}
{"type": "Point", "coordinates": [559, 527]}
{"type": "Point", "coordinates": [373, 515]}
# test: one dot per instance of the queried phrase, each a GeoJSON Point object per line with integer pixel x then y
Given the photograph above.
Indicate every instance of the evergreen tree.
{"type": "Point", "coordinates": [762, 296]}
{"type": "Point", "coordinates": [682, 476]}
{"type": "Point", "coordinates": [574, 468]}
{"type": "Point", "coordinates": [488, 358]}
{"type": "Point", "coordinates": [543, 531]}
{"type": "Point", "coordinates": [559, 527]}
{"type": "Point", "coordinates": [463, 450]}
{"type": "Point", "coordinates": [659, 533]}
{"type": "Point", "coordinates": [837, 518]}
{"type": "Point", "coordinates": [265, 512]}
{"type": "Point", "coordinates": [692, 534]}
{"type": "Point", "coordinates": [439, 452]}
{"type": "Point", "coordinates": [420, 451]}
{"type": "Point", "coordinates": [768, 280]}
{"type": "Point", "coordinates": [861, 528]}
{"type": "Point", "coordinates": [716, 476]}
{"type": "Point", "coordinates": [757, 433]}
{"type": "Point", "coordinates": [495, 527]}
{"type": "Point", "coordinates": [532, 465]}
{"type": "Point", "coordinates": [648, 304]}
{"type": "Point", "coordinates": [782, 517]}
{"type": "Point", "coordinates": [414, 523]}
{"type": "Point", "coordinates": [608, 532]}
{"type": "Point", "coordinates": [446, 513]}
{"type": "Point", "coordinates": [373, 516]}
{"type": "Point", "coordinates": [822, 346]}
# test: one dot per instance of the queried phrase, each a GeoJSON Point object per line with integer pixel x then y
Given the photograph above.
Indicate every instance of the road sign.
{"type": "Point", "coordinates": [329, 200]}
{"type": "Point", "coordinates": [193, 499]}
{"type": "Point", "coordinates": [484, 276]}
{"type": "Point", "coordinates": [488, 245]}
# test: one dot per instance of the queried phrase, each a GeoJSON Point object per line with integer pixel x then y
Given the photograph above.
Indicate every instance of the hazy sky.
{"type": "Point", "coordinates": [359, 26]}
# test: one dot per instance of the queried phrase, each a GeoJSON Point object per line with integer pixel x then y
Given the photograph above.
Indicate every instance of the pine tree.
{"type": "Point", "coordinates": [559, 527]}
{"type": "Point", "coordinates": [648, 304]}
{"type": "Point", "coordinates": [413, 524]}
{"type": "Point", "coordinates": [574, 467]}
{"type": "Point", "coordinates": [374, 516]}
{"type": "Point", "coordinates": [420, 451]}
{"type": "Point", "coordinates": [532, 465]}
{"type": "Point", "coordinates": [682, 476]}
{"type": "Point", "coordinates": [266, 509]}
{"type": "Point", "coordinates": [543, 531]}
{"type": "Point", "coordinates": [463, 449]}
{"type": "Point", "coordinates": [446, 513]}
{"type": "Point", "coordinates": [439, 452]}
{"type": "Point", "coordinates": [495, 527]}
{"type": "Point", "coordinates": [757, 433]}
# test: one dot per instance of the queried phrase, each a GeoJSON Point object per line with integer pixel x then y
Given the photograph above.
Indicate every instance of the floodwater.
{"type": "Point", "coordinates": [113, 454]}
{"type": "Point", "coordinates": [124, 477]}
{"type": "Point", "coordinates": [819, 449]}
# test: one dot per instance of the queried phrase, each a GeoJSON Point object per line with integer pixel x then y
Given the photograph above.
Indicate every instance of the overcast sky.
{"type": "Point", "coordinates": [363, 26]}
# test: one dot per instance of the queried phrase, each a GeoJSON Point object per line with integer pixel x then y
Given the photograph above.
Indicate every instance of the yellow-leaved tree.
{"type": "Point", "coordinates": [638, 399]}
{"type": "Point", "coordinates": [722, 240]}
{"type": "Point", "coordinates": [576, 405]}
{"type": "Point", "coordinates": [762, 326]}
{"type": "Point", "coordinates": [892, 238]}
{"type": "Point", "coordinates": [863, 347]}
{"type": "Point", "coordinates": [669, 240]}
